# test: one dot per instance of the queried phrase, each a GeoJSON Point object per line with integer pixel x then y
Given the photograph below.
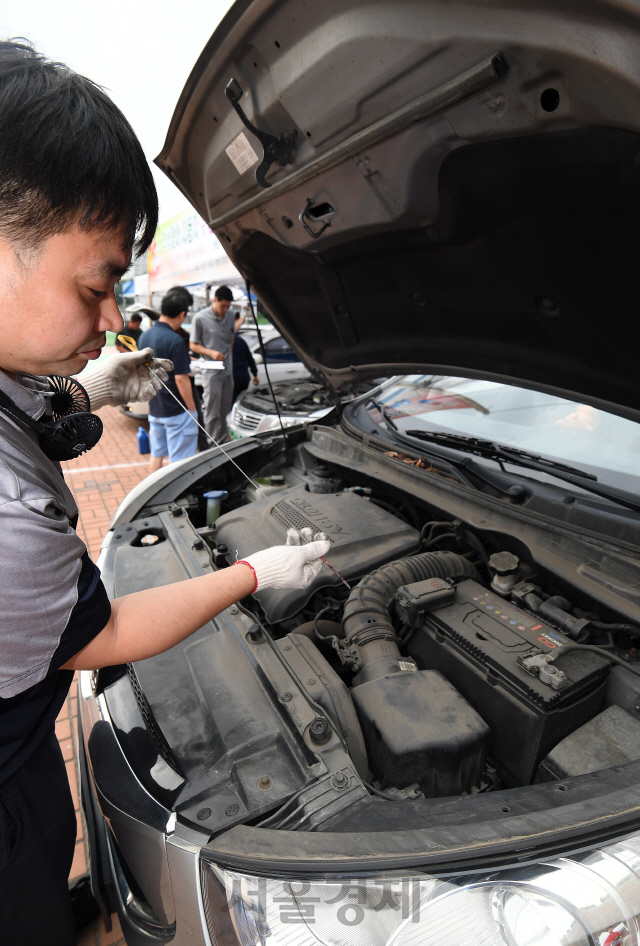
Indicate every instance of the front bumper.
{"type": "Point", "coordinates": [149, 868]}
{"type": "Point", "coordinates": [148, 871]}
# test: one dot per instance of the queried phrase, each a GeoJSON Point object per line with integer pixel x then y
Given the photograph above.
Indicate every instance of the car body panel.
{"type": "Point", "coordinates": [467, 832]}
{"type": "Point", "coordinates": [461, 197]}
{"type": "Point", "coordinates": [488, 240]}
{"type": "Point", "coordinates": [283, 364]}
{"type": "Point", "coordinates": [254, 411]}
{"type": "Point", "coordinates": [456, 833]}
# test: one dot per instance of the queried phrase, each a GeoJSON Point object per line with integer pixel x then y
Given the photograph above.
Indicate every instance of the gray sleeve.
{"type": "Point", "coordinates": [41, 558]}
{"type": "Point", "coordinates": [195, 335]}
{"type": "Point", "coordinates": [230, 320]}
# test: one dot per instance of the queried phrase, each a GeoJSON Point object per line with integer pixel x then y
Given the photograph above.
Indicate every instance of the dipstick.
{"type": "Point", "coordinates": [220, 447]}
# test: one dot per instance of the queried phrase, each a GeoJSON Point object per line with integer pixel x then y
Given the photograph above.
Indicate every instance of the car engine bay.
{"type": "Point", "coordinates": [453, 665]}
{"type": "Point", "coordinates": [293, 397]}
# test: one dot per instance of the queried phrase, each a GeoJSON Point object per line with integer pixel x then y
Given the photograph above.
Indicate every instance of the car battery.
{"type": "Point", "coordinates": [475, 641]}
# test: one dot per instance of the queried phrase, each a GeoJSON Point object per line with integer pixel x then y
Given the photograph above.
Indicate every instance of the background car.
{"type": "Point", "coordinates": [282, 361]}
{"type": "Point", "coordinates": [297, 401]}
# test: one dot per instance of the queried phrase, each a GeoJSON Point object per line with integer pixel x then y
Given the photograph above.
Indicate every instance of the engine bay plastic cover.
{"type": "Point", "coordinates": [362, 536]}
{"type": "Point", "coordinates": [224, 726]}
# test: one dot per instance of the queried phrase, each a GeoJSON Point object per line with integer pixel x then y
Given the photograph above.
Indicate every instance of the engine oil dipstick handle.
{"type": "Point", "coordinates": [130, 343]}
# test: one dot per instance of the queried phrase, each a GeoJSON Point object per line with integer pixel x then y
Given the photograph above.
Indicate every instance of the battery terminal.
{"type": "Point", "coordinates": [540, 665]}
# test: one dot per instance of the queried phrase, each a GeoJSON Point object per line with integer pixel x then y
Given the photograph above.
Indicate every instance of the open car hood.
{"type": "Point", "coordinates": [461, 194]}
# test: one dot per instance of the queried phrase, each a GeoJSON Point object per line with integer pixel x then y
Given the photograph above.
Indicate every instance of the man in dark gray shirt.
{"type": "Point", "coordinates": [76, 200]}
{"type": "Point", "coordinates": [212, 334]}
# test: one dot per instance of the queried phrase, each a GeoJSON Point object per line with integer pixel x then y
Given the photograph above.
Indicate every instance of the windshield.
{"type": "Point", "coordinates": [576, 434]}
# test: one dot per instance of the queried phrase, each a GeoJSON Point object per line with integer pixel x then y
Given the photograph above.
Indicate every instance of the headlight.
{"type": "Point", "coordinates": [586, 900]}
{"type": "Point", "coordinates": [270, 423]}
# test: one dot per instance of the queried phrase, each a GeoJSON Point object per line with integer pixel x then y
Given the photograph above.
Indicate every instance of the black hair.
{"type": "Point", "coordinates": [135, 318]}
{"type": "Point", "coordinates": [223, 294]}
{"type": "Point", "coordinates": [182, 293]}
{"type": "Point", "coordinates": [172, 305]}
{"type": "Point", "coordinates": [67, 155]}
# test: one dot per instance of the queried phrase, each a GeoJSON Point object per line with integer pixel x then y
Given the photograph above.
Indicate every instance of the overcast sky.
{"type": "Point", "coordinates": [141, 51]}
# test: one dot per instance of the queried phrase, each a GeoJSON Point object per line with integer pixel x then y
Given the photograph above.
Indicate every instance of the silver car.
{"type": "Point", "coordinates": [287, 404]}
{"type": "Point", "coordinates": [438, 742]}
{"type": "Point", "coordinates": [282, 362]}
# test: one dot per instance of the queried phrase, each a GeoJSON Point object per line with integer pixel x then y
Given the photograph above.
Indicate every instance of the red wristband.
{"type": "Point", "coordinates": [248, 564]}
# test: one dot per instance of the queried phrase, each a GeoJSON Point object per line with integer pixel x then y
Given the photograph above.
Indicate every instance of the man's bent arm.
{"type": "Point", "coordinates": [183, 385]}
{"type": "Point", "coordinates": [201, 350]}
{"type": "Point", "coordinates": [149, 622]}
{"type": "Point", "coordinates": [252, 364]}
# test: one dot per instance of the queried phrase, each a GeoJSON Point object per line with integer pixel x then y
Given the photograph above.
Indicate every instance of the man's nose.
{"type": "Point", "coordinates": [109, 318]}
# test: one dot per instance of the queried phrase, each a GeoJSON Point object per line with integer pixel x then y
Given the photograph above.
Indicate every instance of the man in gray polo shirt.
{"type": "Point", "coordinates": [76, 199]}
{"type": "Point", "coordinates": [212, 334]}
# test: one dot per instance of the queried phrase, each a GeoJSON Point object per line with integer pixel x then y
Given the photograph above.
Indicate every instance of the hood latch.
{"type": "Point", "coordinates": [279, 150]}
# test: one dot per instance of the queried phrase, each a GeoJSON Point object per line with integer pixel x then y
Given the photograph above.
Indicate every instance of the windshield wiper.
{"type": "Point", "coordinates": [466, 472]}
{"type": "Point", "coordinates": [385, 414]}
{"type": "Point", "coordinates": [493, 451]}
{"type": "Point", "coordinates": [489, 450]}
{"type": "Point", "coordinates": [454, 468]}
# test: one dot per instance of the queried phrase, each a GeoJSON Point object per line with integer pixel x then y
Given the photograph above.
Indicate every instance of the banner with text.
{"type": "Point", "coordinates": [185, 253]}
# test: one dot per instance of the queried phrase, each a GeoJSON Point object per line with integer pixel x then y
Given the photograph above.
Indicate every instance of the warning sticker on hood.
{"type": "Point", "coordinates": [241, 153]}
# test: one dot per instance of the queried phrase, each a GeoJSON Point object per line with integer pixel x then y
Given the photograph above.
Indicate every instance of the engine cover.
{"type": "Point", "coordinates": [363, 536]}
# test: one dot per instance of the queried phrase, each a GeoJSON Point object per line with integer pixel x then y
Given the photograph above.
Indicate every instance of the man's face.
{"type": "Point", "coordinates": [220, 307]}
{"type": "Point", "coordinates": [56, 306]}
{"type": "Point", "coordinates": [132, 324]}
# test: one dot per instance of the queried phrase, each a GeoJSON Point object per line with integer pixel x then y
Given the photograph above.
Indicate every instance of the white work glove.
{"type": "Point", "coordinates": [293, 565]}
{"type": "Point", "coordinates": [124, 378]}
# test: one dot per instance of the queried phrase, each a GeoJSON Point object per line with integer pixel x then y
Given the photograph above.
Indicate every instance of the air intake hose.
{"type": "Point", "coordinates": [367, 622]}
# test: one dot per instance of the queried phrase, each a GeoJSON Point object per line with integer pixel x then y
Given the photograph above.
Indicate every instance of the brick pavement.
{"type": "Point", "coordinates": [101, 478]}
{"type": "Point", "coordinates": [99, 481]}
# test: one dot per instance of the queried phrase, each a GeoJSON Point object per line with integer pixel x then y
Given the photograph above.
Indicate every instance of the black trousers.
{"type": "Point", "coordinates": [239, 387]}
{"type": "Point", "coordinates": [37, 839]}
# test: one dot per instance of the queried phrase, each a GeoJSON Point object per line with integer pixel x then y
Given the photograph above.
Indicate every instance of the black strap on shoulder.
{"type": "Point", "coordinates": [63, 439]}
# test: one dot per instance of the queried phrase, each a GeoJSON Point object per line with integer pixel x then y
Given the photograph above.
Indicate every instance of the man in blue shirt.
{"type": "Point", "coordinates": [173, 432]}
